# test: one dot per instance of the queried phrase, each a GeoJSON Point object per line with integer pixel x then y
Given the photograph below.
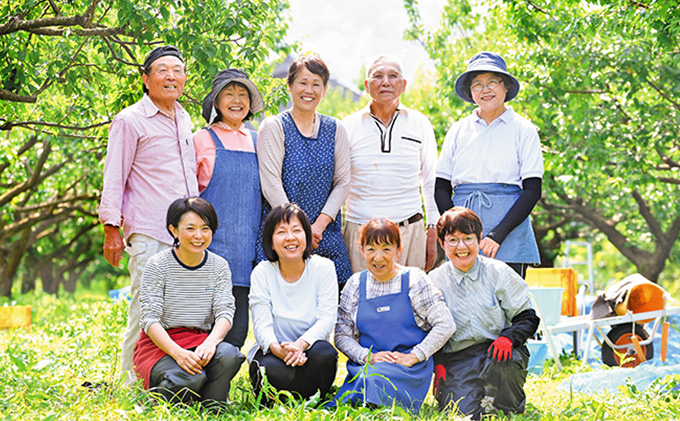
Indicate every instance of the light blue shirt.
{"type": "Point", "coordinates": [483, 300]}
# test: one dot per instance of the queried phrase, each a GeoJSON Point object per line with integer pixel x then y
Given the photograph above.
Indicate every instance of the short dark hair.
{"type": "Point", "coordinates": [467, 83]}
{"type": "Point", "coordinates": [313, 63]}
{"type": "Point", "coordinates": [200, 206]}
{"type": "Point", "coordinates": [250, 97]}
{"type": "Point", "coordinates": [460, 219]}
{"type": "Point", "coordinates": [285, 213]}
{"type": "Point", "coordinates": [380, 231]}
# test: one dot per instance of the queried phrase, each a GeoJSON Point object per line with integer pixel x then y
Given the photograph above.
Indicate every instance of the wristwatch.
{"type": "Point", "coordinates": [431, 226]}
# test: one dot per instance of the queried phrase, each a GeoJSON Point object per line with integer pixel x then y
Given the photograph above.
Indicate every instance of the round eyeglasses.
{"type": "Point", "coordinates": [454, 242]}
{"type": "Point", "coordinates": [477, 87]}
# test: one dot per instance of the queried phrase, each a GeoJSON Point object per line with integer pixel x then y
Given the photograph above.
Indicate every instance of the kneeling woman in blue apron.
{"type": "Point", "coordinates": [483, 367]}
{"type": "Point", "coordinates": [294, 303]}
{"type": "Point", "coordinates": [391, 320]}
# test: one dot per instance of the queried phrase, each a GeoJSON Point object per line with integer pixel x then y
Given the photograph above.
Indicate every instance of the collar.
{"type": "Point", "coordinates": [459, 275]}
{"type": "Point", "coordinates": [150, 109]}
{"type": "Point", "coordinates": [366, 111]}
{"type": "Point", "coordinates": [241, 129]}
{"type": "Point", "coordinates": [506, 117]}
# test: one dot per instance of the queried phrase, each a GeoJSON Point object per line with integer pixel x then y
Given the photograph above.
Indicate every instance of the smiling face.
{"type": "Point", "coordinates": [233, 103]}
{"type": "Point", "coordinates": [194, 235]}
{"type": "Point", "coordinates": [490, 101]}
{"type": "Point", "coordinates": [385, 83]}
{"type": "Point", "coordinates": [307, 90]}
{"type": "Point", "coordinates": [462, 255]}
{"type": "Point", "coordinates": [289, 240]}
{"type": "Point", "coordinates": [381, 259]}
{"type": "Point", "coordinates": [165, 80]}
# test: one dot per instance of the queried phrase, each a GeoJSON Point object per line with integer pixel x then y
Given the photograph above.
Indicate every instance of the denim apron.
{"type": "Point", "coordinates": [234, 191]}
{"type": "Point", "coordinates": [491, 202]}
{"type": "Point", "coordinates": [307, 178]}
{"type": "Point", "coordinates": [387, 323]}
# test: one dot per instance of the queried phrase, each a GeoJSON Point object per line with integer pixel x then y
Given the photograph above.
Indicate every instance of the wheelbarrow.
{"type": "Point", "coordinates": [627, 344]}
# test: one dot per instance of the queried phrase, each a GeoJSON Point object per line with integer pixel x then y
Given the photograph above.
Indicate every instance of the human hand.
{"type": "Point", "coordinates": [318, 227]}
{"type": "Point", "coordinates": [407, 360]}
{"type": "Point", "coordinates": [188, 360]}
{"type": "Point", "coordinates": [113, 245]}
{"type": "Point", "coordinates": [431, 249]}
{"type": "Point", "coordinates": [295, 352]}
{"type": "Point", "coordinates": [205, 352]}
{"type": "Point", "coordinates": [383, 357]}
{"type": "Point", "coordinates": [502, 349]}
{"type": "Point", "coordinates": [489, 247]}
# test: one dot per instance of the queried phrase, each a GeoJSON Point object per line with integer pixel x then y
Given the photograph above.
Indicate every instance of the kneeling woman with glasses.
{"type": "Point", "coordinates": [483, 366]}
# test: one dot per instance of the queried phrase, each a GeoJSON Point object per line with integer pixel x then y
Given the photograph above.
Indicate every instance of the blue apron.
{"type": "Point", "coordinates": [387, 323]}
{"type": "Point", "coordinates": [234, 191]}
{"type": "Point", "coordinates": [491, 202]}
{"type": "Point", "coordinates": [307, 178]}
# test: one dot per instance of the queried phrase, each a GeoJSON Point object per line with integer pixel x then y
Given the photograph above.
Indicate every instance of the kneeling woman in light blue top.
{"type": "Point", "coordinates": [294, 303]}
{"type": "Point", "coordinates": [391, 320]}
{"type": "Point", "coordinates": [187, 309]}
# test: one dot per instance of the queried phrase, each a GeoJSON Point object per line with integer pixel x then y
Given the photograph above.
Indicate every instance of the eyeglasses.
{"type": "Point", "coordinates": [477, 87]}
{"type": "Point", "coordinates": [454, 242]}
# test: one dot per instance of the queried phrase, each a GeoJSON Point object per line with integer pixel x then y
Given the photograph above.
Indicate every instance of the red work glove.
{"type": "Point", "coordinates": [502, 349]}
{"type": "Point", "coordinates": [439, 374]}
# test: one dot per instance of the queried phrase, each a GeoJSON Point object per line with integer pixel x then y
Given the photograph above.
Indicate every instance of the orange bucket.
{"type": "Point", "coordinates": [641, 297]}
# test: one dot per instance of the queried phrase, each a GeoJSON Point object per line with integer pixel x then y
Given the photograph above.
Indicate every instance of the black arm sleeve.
{"type": "Point", "coordinates": [442, 194]}
{"type": "Point", "coordinates": [523, 326]}
{"type": "Point", "coordinates": [519, 211]}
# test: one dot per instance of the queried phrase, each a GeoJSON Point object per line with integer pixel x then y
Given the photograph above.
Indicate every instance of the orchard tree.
{"type": "Point", "coordinates": [66, 68]}
{"type": "Point", "coordinates": [600, 80]}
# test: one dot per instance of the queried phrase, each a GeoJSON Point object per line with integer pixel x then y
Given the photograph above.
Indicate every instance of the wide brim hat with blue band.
{"type": "Point", "coordinates": [221, 80]}
{"type": "Point", "coordinates": [486, 62]}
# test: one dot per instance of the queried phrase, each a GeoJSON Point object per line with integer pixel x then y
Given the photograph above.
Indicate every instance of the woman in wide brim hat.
{"type": "Point", "coordinates": [491, 162]}
{"type": "Point", "coordinates": [228, 177]}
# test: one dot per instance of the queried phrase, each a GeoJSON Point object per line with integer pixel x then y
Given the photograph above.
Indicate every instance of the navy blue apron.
{"type": "Point", "coordinates": [387, 323]}
{"type": "Point", "coordinates": [307, 178]}
{"type": "Point", "coordinates": [234, 191]}
{"type": "Point", "coordinates": [491, 202]}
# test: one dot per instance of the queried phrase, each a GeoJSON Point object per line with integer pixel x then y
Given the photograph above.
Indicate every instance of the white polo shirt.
{"type": "Point", "coordinates": [507, 151]}
{"type": "Point", "coordinates": [390, 166]}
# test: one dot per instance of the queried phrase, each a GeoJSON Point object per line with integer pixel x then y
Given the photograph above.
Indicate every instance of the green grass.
{"type": "Point", "coordinates": [75, 338]}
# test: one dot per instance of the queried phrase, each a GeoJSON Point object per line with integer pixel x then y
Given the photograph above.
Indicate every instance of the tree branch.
{"type": "Point", "coordinates": [532, 4]}
{"type": "Point", "coordinates": [15, 25]}
{"type": "Point", "coordinates": [675, 104]}
{"type": "Point", "coordinates": [8, 125]}
{"type": "Point", "coordinates": [90, 32]}
{"type": "Point", "coordinates": [646, 213]}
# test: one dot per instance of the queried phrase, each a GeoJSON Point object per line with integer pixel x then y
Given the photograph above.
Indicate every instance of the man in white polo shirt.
{"type": "Point", "coordinates": [394, 158]}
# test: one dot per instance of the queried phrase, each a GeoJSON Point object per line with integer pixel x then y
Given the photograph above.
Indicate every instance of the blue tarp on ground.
{"type": "Point", "coordinates": [609, 379]}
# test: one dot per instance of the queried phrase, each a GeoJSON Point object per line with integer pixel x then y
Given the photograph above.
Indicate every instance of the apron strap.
{"type": "Point", "coordinates": [253, 134]}
{"type": "Point", "coordinates": [405, 280]}
{"type": "Point", "coordinates": [218, 142]}
{"type": "Point", "coordinates": [363, 277]}
{"type": "Point", "coordinates": [476, 200]}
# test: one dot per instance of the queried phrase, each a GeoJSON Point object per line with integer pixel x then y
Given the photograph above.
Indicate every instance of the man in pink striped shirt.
{"type": "Point", "coordinates": [150, 162]}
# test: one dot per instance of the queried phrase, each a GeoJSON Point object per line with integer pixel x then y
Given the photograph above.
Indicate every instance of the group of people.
{"type": "Point", "coordinates": [253, 222]}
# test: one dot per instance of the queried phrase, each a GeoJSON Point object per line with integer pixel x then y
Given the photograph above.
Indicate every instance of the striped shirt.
{"type": "Point", "coordinates": [176, 295]}
{"type": "Point", "coordinates": [483, 300]}
{"type": "Point", "coordinates": [429, 311]}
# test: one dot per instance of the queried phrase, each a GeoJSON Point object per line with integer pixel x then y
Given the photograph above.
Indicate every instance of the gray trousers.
{"type": "Point", "coordinates": [471, 372]}
{"type": "Point", "coordinates": [176, 385]}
